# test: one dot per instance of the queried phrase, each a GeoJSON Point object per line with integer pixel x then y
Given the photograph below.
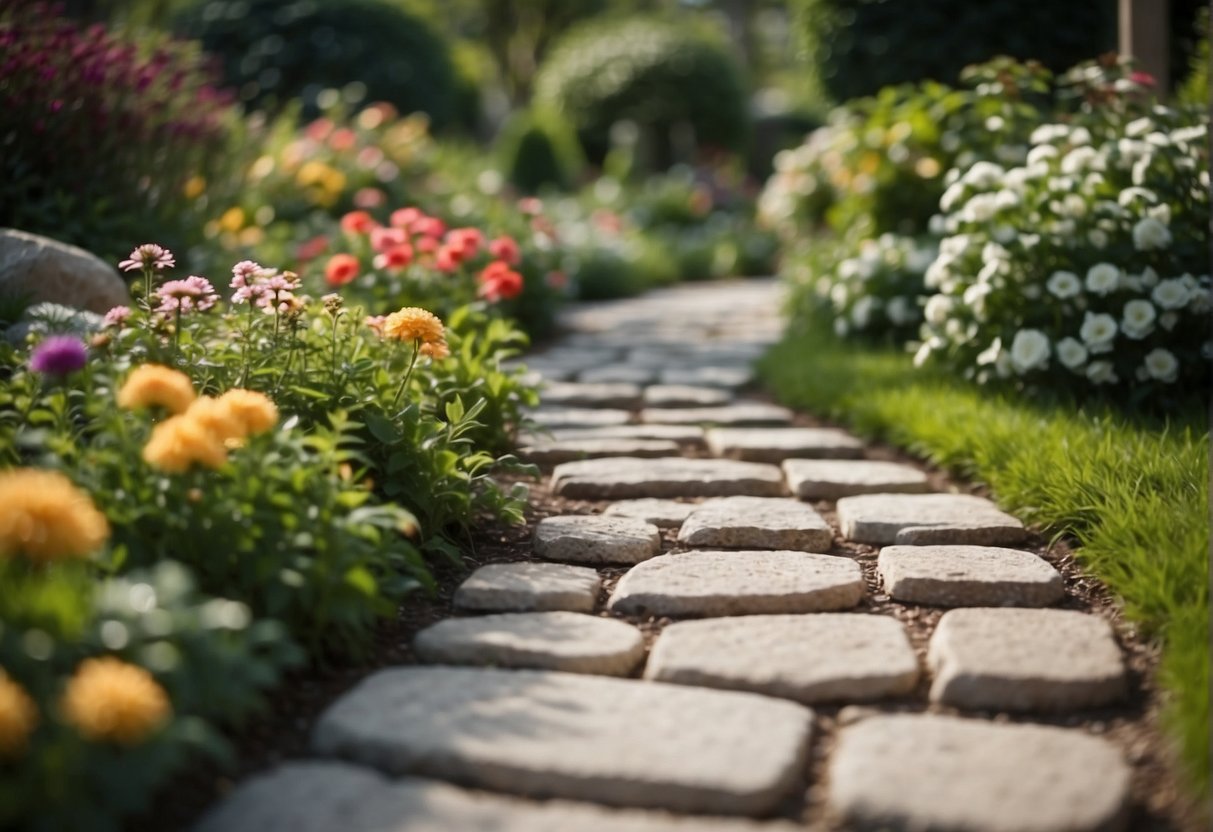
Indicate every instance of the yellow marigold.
{"type": "Point", "coordinates": [415, 325]}
{"type": "Point", "coordinates": [152, 385]}
{"type": "Point", "coordinates": [179, 442]}
{"type": "Point", "coordinates": [256, 411]}
{"type": "Point", "coordinates": [18, 718]}
{"type": "Point", "coordinates": [45, 517]}
{"type": "Point", "coordinates": [108, 700]}
{"type": "Point", "coordinates": [218, 417]}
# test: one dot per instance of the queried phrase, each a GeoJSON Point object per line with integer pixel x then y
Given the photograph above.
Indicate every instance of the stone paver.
{"type": "Point", "coordinates": [568, 641]}
{"type": "Point", "coordinates": [938, 772]}
{"type": "Point", "coordinates": [827, 657]}
{"type": "Point", "coordinates": [680, 395]}
{"type": "Point", "coordinates": [619, 373]}
{"type": "Point", "coordinates": [1025, 660]}
{"type": "Point", "coordinates": [556, 451]}
{"type": "Point", "coordinates": [529, 587]}
{"type": "Point", "coordinates": [756, 523]}
{"type": "Point", "coordinates": [741, 413]}
{"type": "Point", "coordinates": [623, 477]}
{"type": "Point", "coordinates": [683, 434]}
{"type": "Point", "coordinates": [709, 583]}
{"type": "Point", "coordinates": [581, 538]}
{"type": "Point", "coordinates": [730, 378]}
{"type": "Point", "coordinates": [924, 519]}
{"type": "Point", "coordinates": [619, 742]}
{"type": "Point", "coordinates": [571, 394]}
{"type": "Point", "coordinates": [831, 479]}
{"type": "Point", "coordinates": [969, 576]}
{"type": "Point", "coordinates": [578, 417]}
{"type": "Point", "coordinates": [766, 445]}
{"type": "Point", "coordinates": [331, 796]}
{"type": "Point", "coordinates": [663, 513]}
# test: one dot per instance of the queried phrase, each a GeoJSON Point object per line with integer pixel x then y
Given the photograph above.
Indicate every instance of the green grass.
{"type": "Point", "coordinates": [1132, 491]}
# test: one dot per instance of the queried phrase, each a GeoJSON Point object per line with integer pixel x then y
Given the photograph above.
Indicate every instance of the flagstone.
{"type": "Point", "coordinates": [588, 538]}
{"type": "Point", "coordinates": [730, 378]}
{"type": "Point", "coordinates": [580, 394]}
{"type": "Point", "coordinates": [830, 479]}
{"type": "Point", "coordinates": [969, 576]}
{"type": "Point", "coordinates": [663, 513]}
{"type": "Point", "coordinates": [623, 477]}
{"type": "Point", "coordinates": [756, 523]}
{"type": "Point", "coordinates": [740, 413]}
{"type": "Point", "coordinates": [925, 519]}
{"type": "Point", "coordinates": [683, 434]}
{"type": "Point", "coordinates": [681, 395]}
{"type": "Point", "coordinates": [555, 451]}
{"type": "Point", "coordinates": [618, 373]}
{"type": "Point", "coordinates": [767, 445]}
{"type": "Point", "coordinates": [529, 587]}
{"type": "Point", "coordinates": [578, 417]}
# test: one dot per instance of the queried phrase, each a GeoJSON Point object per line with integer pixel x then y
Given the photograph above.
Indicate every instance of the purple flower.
{"type": "Point", "coordinates": [117, 316]}
{"type": "Point", "coordinates": [148, 256]}
{"type": "Point", "coordinates": [59, 355]}
{"type": "Point", "coordinates": [194, 294]}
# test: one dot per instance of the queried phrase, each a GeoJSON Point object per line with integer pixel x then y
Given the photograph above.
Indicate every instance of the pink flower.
{"type": "Point", "coordinates": [194, 294]}
{"type": "Point", "coordinates": [428, 227]}
{"type": "Point", "coordinates": [148, 256]}
{"type": "Point", "coordinates": [279, 292]}
{"type": "Point", "coordinates": [117, 316]}
{"type": "Point", "coordinates": [248, 279]}
{"type": "Point", "coordinates": [504, 248]}
{"type": "Point", "coordinates": [375, 322]}
{"type": "Point", "coordinates": [395, 258]}
{"type": "Point", "coordinates": [383, 239]}
{"type": "Point", "coordinates": [405, 217]}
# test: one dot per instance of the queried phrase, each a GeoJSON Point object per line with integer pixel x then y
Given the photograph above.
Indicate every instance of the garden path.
{"type": "Point", "coordinates": [763, 619]}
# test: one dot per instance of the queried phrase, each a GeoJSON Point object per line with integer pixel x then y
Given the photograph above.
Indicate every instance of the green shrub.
{"type": "Point", "coordinates": [538, 149]}
{"type": "Point", "coordinates": [1194, 91]}
{"type": "Point", "coordinates": [857, 47]}
{"type": "Point", "coordinates": [661, 75]}
{"type": "Point", "coordinates": [276, 51]}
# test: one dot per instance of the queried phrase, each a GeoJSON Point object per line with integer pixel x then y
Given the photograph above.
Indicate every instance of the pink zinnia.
{"type": "Point", "coordinates": [395, 258]}
{"type": "Point", "coordinates": [148, 256]}
{"type": "Point", "coordinates": [194, 294]}
{"type": "Point", "coordinates": [117, 316]}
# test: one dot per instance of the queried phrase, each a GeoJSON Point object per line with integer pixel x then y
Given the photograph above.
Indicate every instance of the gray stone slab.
{"type": "Point", "coordinates": [570, 394]}
{"type": "Point", "coordinates": [663, 513]}
{"type": "Point", "coordinates": [623, 477]}
{"type": "Point", "coordinates": [332, 796]}
{"type": "Point", "coordinates": [767, 445]}
{"type": "Point", "coordinates": [831, 479]}
{"type": "Point", "coordinates": [568, 641]}
{"type": "Point", "coordinates": [529, 587]}
{"type": "Point", "coordinates": [682, 434]}
{"type": "Point", "coordinates": [924, 772]}
{"type": "Point", "coordinates": [577, 417]}
{"type": "Point", "coordinates": [680, 395]}
{"type": "Point", "coordinates": [618, 373]}
{"type": "Point", "coordinates": [1025, 660]}
{"type": "Point", "coordinates": [969, 576]}
{"type": "Point", "coordinates": [925, 519]}
{"type": "Point", "coordinates": [827, 657]}
{"type": "Point", "coordinates": [587, 538]}
{"type": "Point", "coordinates": [730, 378]}
{"type": "Point", "coordinates": [741, 413]}
{"type": "Point", "coordinates": [555, 451]}
{"type": "Point", "coordinates": [756, 523]}
{"type": "Point", "coordinates": [619, 742]}
{"type": "Point", "coordinates": [708, 583]}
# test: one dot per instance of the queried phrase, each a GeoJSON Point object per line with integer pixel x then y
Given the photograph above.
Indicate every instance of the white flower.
{"type": "Point", "coordinates": [1071, 353]}
{"type": "Point", "coordinates": [839, 294]}
{"type": "Point", "coordinates": [1098, 238]}
{"type": "Point", "coordinates": [1006, 198]}
{"type": "Point", "coordinates": [1073, 205]}
{"type": "Point", "coordinates": [1103, 278]}
{"type": "Point", "coordinates": [1080, 135]}
{"type": "Point", "coordinates": [990, 354]}
{"type": "Point", "coordinates": [1049, 132]}
{"type": "Point", "coordinates": [1162, 365]}
{"type": "Point", "coordinates": [1101, 372]}
{"type": "Point", "coordinates": [980, 208]}
{"type": "Point", "coordinates": [975, 298]}
{"type": "Point", "coordinates": [1140, 168]}
{"type": "Point", "coordinates": [1139, 127]}
{"type": "Point", "coordinates": [1150, 234]}
{"type": "Point", "coordinates": [1029, 350]}
{"type": "Point", "coordinates": [951, 196]}
{"type": "Point", "coordinates": [983, 175]}
{"type": "Point", "coordinates": [1171, 293]}
{"type": "Point", "coordinates": [861, 312]}
{"type": "Point", "coordinates": [1129, 195]}
{"type": "Point", "coordinates": [938, 308]}
{"type": "Point", "coordinates": [840, 327]}
{"type": "Point", "coordinates": [937, 224]}
{"type": "Point", "coordinates": [1064, 284]}
{"type": "Point", "coordinates": [1160, 212]}
{"type": "Point", "coordinates": [1098, 330]}
{"type": "Point", "coordinates": [900, 312]}
{"type": "Point", "coordinates": [1149, 277]}
{"type": "Point", "coordinates": [1082, 158]}
{"type": "Point", "coordinates": [1138, 320]}
{"type": "Point", "coordinates": [923, 353]}
{"type": "Point", "coordinates": [1041, 153]}
{"type": "Point", "coordinates": [1168, 320]}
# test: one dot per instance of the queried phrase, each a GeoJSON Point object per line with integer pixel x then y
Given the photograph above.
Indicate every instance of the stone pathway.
{"type": "Point", "coordinates": [695, 635]}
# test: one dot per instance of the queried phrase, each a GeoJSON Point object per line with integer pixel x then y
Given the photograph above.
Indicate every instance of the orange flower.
{"type": "Point", "coordinates": [416, 325]}
{"type": "Point", "coordinates": [256, 412]}
{"type": "Point", "coordinates": [108, 700]}
{"type": "Point", "coordinates": [45, 517]}
{"type": "Point", "coordinates": [179, 442]}
{"type": "Point", "coordinates": [358, 222]}
{"type": "Point", "coordinates": [341, 269]}
{"type": "Point", "coordinates": [18, 718]}
{"type": "Point", "coordinates": [152, 385]}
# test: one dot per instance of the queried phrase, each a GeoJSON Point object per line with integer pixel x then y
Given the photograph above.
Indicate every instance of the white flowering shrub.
{"type": "Point", "coordinates": [1087, 265]}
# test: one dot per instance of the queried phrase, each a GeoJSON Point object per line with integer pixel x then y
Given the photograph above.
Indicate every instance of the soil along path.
{"type": "Point", "coordinates": [733, 618]}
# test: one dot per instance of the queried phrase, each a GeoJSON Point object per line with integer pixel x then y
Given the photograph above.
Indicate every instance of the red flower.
{"type": "Point", "coordinates": [405, 217]}
{"type": "Point", "coordinates": [342, 138]}
{"type": "Point", "coordinates": [358, 222]}
{"type": "Point", "coordinates": [504, 248]}
{"type": "Point", "coordinates": [395, 258]}
{"type": "Point", "coordinates": [427, 245]}
{"type": "Point", "coordinates": [446, 260]}
{"type": "Point", "coordinates": [313, 248]}
{"type": "Point", "coordinates": [341, 269]}
{"type": "Point", "coordinates": [429, 227]}
{"type": "Point", "coordinates": [466, 241]}
{"type": "Point", "coordinates": [499, 282]}
{"type": "Point", "coordinates": [1145, 79]}
{"type": "Point", "coordinates": [383, 239]}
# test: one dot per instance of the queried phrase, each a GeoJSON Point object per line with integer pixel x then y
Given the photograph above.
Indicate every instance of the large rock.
{"type": "Point", "coordinates": [704, 583]}
{"type": "Point", "coordinates": [529, 587]}
{"type": "Point", "coordinates": [827, 657]}
{"type": "Point", "coordinates": [756, 523]}
{"type": "Point", "coordinates": [965, 775]}
{"type": "Point", "coordinates": [618, 742]}
{"type": "Point", "coordinates": [608, 479]}
{"type": "Point", "coordinates": [968, 576]}
{"type": "Point", "coordinates": [588, 538]}
{"type": "Point", "coordinates": [330, 796]}
{"type": "Point", "coordinates": [41, 269]}
{"type": "Point", "coordinates": [776, 445]}
{"type": "Point", "coordinates": [926, 519]}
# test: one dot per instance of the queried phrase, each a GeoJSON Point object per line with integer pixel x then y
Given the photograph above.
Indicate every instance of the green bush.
{"type": "Point", "coordinates": [858, 46]}
{"type": "Point", "coordinates": [539, 149]}
{"type": "Point", "coordinates": [660, 75]}
{"type": "Point", "coordinates": [276, 51]}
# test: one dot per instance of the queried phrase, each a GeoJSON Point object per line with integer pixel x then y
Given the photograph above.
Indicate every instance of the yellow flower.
{"type": "Point", "coordinates": [152, 385]}
{"type": "Point", "coordinates": [194, 187]}
{"type": "Point", "coordinates": [232, 219]}
{"type": "Point", "coordinates": [45, 517]}
{"type": "Point", "coordinates": [108, 700]}
{"type": "Point", "coordinates": [179, 442]}
{"type": "Point", "coordinates": [255, 411]}
{"type": "Point", "coordinates": [218, 417]}
{"type": "Point", "coordinates": [18, 718]}
{"type": "Point", "coordinates": [415, 325]}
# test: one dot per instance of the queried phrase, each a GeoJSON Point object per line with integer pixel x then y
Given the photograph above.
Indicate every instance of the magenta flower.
{"type": "Point", "coordinates": [58, 356]}
{"type": "Point", "coordinates": [148, 256]}
{"type": "Point", "coordinates": [194, 294]}
{"type": "Point", "coordinates": [117, 316]}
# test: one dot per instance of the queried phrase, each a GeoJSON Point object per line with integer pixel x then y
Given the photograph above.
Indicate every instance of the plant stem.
{"type": "Point", "coordinates": [408, 373]}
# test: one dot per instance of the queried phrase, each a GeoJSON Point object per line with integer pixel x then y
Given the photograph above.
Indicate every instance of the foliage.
{"type": "Point", "coordinates": [105, 136]}
{"type": "Point", "coordinates": [659, 74]}
{"type": "Point", "coordinates": [1057, 465]}
{"type": "Point", "coordinates": [1194, 91]}
{"type": "Point", "coordinates": [275, 52]}
{"type": "Point", "coordinates": [538, 150]}
{"type": "Point", "coordinates": [856, 47]}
